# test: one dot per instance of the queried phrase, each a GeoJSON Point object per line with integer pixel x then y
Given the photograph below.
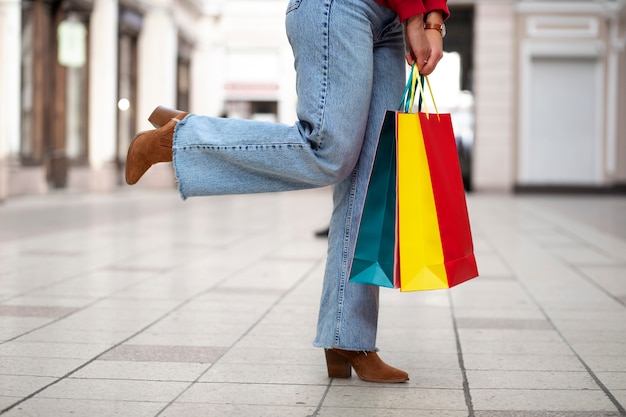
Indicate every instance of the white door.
{"type": "Point", "coordinates": [562, 131]}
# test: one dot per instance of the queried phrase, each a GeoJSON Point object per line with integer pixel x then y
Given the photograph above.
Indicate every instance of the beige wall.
{"type": "Point", "coordinates": [514, 44]}
{"type": "Point", "coordinates": [495, 91]}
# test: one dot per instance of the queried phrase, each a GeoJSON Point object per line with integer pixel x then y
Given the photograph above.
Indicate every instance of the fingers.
{"type": "Point", "coordinates": [428, 58]}
{"type": "Point", "coordinates": [429, 65]}
{"type": "Point", "coordinates": [426, 64]}
{"type": "Point", "coordinates": [420, 56]}
{"type": "Point", "coordinates": [427, 68]}
{"type": "Point", "coordinates": [424, 48]}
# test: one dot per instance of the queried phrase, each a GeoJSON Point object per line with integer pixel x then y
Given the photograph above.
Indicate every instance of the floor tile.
{"type": "Point", "coordinates": [600, 348]}
{"type": "Point", "coordinates": [146, 371]}
{"type": "Point", "coordinates": [50, 334]}
{"type": "Point", "coordinates": [58, 407]}
{"type": "Point", "coordinates": [620, 396]}
{"type": "Point", "coordinates": [236, 410]}
{"type": "Point", "coordinates": [52, 350]}
{"type": "Point", "coordinates": [114, 390]}
{"type": "Point", "coordinates": [500, 323]}
{"type": "Point", "coordinates": [267, 374]}
{"type": "Point", "coordinates": [504, 347]}
{"type": "Point", "coordinates": [529, 413]}
{"type": "Point", "coordinates": [34, 311]}
{"type": "Point", "coordinates": [519, 336]}
{"type": "Point", "coordinates": [539, 380]}
{"type": "Point", "coordinates": [613, 380]}
{"type": "Point", "coordinates": [310, 356]}
{"type": "Point", "coordinates": [541, 400]}
{"type": "Point", "coordinates": [160, 353]}
{"type": "Point", "coordinates": [390, 412]}
{"type": "Point", "coordinates": [395, 397]}
{"type": "Point", "coordinates": [606, 363]}
{"type": "Point", "coordinates": [225, 291]}
{"type": "Point", "coordinates": [520, 362]}
{"type": "Point", "coordinates": [419, 378]}
{"type": "Point", "coordinates": [254, 394]}
{"type": "Point", "coordinates": [22, 385]}
{"type": "Point", "coordinates": [38, 366]}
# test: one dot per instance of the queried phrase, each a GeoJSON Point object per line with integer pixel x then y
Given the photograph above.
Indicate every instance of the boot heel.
{"type": "Point", "coordinates": [161, 115]}
{"type": "Point", "coordinates": [338, 366]}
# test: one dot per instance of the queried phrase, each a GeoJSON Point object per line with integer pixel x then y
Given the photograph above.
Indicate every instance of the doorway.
{"type": "Point", "coordinates": [561, 121]}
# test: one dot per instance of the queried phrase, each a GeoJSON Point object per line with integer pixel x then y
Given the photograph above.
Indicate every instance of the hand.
{"type": "Point", "coordinates": [425, 47]}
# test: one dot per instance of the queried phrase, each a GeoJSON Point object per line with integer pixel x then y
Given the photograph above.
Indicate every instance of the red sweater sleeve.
{"type": "Point", "coordinates": [408, 8]}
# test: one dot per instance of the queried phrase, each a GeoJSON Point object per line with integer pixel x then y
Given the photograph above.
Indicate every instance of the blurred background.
{"type": "Point", "coordinates": [537, 89]}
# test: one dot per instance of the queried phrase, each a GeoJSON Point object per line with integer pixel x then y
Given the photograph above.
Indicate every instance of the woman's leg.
{"type": "Point", "coordinates": [349, 312]}
{"type": "Point", "coordinates": [332, 44]}
{"type": "Point", "coordinates": [349, 59]}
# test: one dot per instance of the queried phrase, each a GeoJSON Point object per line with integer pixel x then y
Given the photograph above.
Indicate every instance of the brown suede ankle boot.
{"type": "Point", "coordinates": [148, 148]}
{"type": "Point", "coordinates": [367, 365]}
{"type": "Point", "coordinates": [162, 114]}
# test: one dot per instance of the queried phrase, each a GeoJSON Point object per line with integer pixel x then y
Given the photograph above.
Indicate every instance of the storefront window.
{"type": "Point", "coordinates": [72, 37]}
{"type": "Point", "coordinates": [130, 26]}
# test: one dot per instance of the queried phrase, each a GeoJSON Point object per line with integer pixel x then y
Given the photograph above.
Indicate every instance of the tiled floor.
{"type": "Point", "coordinates": [137, 304]}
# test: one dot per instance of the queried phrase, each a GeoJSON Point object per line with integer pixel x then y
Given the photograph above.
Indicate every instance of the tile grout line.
{"type": "Point", "coordinates": [157, 320]}
{"type": "Point", "coordinates": [466, 388]}
{"type": "Point", "coordinates": [316, 413]}
{"type": "Point", "coordinates": [79, 309]}
{"type": "Point", "coordinates": [269, 309]}
{"type": "Point", "coordinates": [594, 283]}
{"type": "Point", "coordinates": [590, 371]}
{"type": "Point", "coordinates": [585, 244]}
{"type": "Point", "coordinates": [578, 269]}
{"type": "Point", "coordinates": [73, 371]}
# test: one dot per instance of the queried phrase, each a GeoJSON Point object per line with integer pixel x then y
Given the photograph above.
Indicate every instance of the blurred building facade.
{"type": "Point", "coordinates": [79, 77]}
{"type": "Point", "coordinates": [550, 84]}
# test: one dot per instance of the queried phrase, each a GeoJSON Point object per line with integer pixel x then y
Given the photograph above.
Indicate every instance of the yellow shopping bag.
{"type": "Point", "coordinates": [434, 246]}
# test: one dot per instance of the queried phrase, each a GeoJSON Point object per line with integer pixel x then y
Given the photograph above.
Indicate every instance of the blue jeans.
{"type": "Point", "coordinates": [349, 60]}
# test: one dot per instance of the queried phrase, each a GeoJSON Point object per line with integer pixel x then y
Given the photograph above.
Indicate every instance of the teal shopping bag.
{"type": "Point", "coordinates": [373, 261]}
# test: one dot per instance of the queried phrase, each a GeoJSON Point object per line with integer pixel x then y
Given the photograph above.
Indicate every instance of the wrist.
{"type": "Point", "coordinates": [434, 16]}
{"type": "Point", "coordinates": [434, 20]}
{"type": "Point", "coordinates": [417, 19]}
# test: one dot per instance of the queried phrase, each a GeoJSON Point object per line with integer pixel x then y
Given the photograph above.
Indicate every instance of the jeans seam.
{"type": "Point", "coordinates": [345, 256]}
{"type": "Point", "coordinates": [325, 57]}
{"type": "Point", "coordinates": [243, 147]}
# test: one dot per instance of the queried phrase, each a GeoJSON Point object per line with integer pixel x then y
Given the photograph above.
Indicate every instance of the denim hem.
{"type": "Point", "coordinates": [353, 349]}
{"type": "Point", "coordinates": [175, 158]}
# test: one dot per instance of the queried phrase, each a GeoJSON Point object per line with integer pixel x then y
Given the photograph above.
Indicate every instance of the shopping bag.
{"type": "Point", "coordinates": [432, 243]}
{"type": "Point", "coordinates": [435, 248]}
{"type": "Point", "coordinates": [374, 254]}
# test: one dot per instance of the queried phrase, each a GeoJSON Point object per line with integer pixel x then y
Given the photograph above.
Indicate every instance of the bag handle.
{"type": "Point", "coordinates": [415, 82]}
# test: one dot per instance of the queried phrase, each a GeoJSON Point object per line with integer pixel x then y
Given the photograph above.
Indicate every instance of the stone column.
{"type": "Point", "coordinates": [10, 83]}
{"type": "Point", "coordinates": [103, 94]}
{"type": "Point", "coordinates": [157, 56]}
{"type": "Point", "coordinates": [493, 159]}
{"type": "Point", "coordinates": [157, 60]}
{"type": "Point", "coordinates": [207, 68]}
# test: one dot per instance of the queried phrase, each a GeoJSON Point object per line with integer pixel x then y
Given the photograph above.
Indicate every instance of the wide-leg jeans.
{"type": "Point", "coordinates": [350, 69]}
